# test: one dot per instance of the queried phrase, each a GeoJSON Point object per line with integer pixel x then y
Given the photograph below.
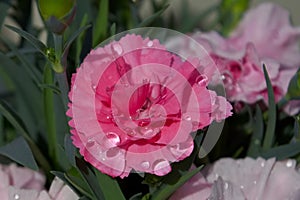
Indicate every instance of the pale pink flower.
{"type": "Point", "coordinates": [243, 179]}
{"type": "Point", "coordinates": [25, 184]}
{"type": "Point", "coordinates": [264, 36]}
{"type": "Point", "coordinates": [134, 105]}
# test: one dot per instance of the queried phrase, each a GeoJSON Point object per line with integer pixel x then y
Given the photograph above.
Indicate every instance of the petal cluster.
{"type": "Point", "coordinates": [264, 36]}
{"type": "Point", "coordinates": [242, 179]}
{"type": "Point", "coordinates": [26, 184]}
{"type": "Point", "coordinates": [134, 105]}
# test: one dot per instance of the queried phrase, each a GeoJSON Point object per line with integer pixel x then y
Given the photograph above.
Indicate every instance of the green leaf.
{"type": "Point", "coordinates": [74, 177]}
{"type": "Point", "coordinates": [19, 151]}
{"type": "Point", "coordinates": [52, 87]}
{"type": "Point", "coordinates": [100, 27]}
{"type": "Point", "coordinates": [283, 151]}
{"type": "Point", "coordinates": [153, 17]}
{"type": "Point", "coordinates": [109, 186]}
{"type": "Point", "coordinates": [3, 12]}
{"type": "Point", "coordinates": [257, 136]}
{"type": "Point", "coordinates": [70, 150]}
{"type": "Point", "coordinates": [294, 87]}
{"type": "Point", "coordinates": [13, 118]}
{"type": "Point", "coordinates": [32, 71]}
{"type": "Point", "coordinates": [90, 178]}
{"type": "Point", "coordinates": [72, 38]}
{"type": "Point", "coordinates": [230, 13]}
{"type": "Point", "coordinates": [270, 131]}
{"type": "Point", "coordinates": [166, 190]}
{"type": "Point", "coordinates": [30, 38]}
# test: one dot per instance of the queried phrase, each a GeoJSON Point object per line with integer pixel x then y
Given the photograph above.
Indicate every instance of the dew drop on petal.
{"type": "Point", "coordinates": [150, 44]}
{"type": "Point", "coordinates": [145, 165]}
{"type": "Point", "coordinates": [113, 138]}
{"type": "Point", "coordinates": [289, 163]}
{"type": "Point", "coordinates": [16, 196]}
{"type": "Point", "coordinates": [227, 78]}
{"type": "Point", "coordinates": [118, 48]}
{"type": "Point", "coordinates": [202, 80]}
{"type": "Point", "coordinates": [226, 185]}
{"type": "Point", "coordinates": [161, 167]}
{"type": "Point", "coordinates": [262, 164]}
{"type": "Point", "coordinates": [187, 117]}
{"type": "Point", "coordinates": [146, 131]}
{"type": "Point", "coordinates": [113, 152]}
{"type": "Point", "coordinates": [90, 143]}
{"type": "Point", "coordinates": [242, 187]}
{"type": "Point", "coordinates": [254, 182]}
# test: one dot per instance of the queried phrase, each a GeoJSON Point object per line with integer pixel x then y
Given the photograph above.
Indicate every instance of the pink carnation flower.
{"type": "Point", "coordinates": [243, 179]}
{"type": "Point", "coordinates": [25, 184]}
{"type": "Point", "coordinates": [264, 35]}
{"type": "Point", "coordinates": [134, 105]}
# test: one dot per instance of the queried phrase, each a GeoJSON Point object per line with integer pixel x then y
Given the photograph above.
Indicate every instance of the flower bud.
{"type": "Point", "coordinates": [57, 14]}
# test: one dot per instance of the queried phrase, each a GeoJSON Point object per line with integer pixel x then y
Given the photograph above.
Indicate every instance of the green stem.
{"type": "Point", "coordinates": [49, 114]}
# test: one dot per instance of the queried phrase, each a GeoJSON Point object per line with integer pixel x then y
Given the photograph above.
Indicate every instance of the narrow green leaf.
{"type": "Point", "coordinates": [166, 190]}
{"type": "Point", "coordinates": [30, 38]}
{"type": "Point", "coordinates": [79, 184]}
{"type": "Point", "coordinates": [109, 186]}
{"type": "Point", "coordinates": [113, 29]}
{"type": "Point", "coordinates": [31, 70]}
{"type": "Point", "coordinates": [72, 38]}
{"type": "Point", "coordinates": [54, 88]}
{"type": "Point", "coordinates": [257, 135]}
{"type": "Point", "coordinates": [100, 27]}
{"type": "Point", "coordinates": [270, 131]}
{"type": "Point", "coordinates": [13, 118]}
{"type": "Point", "coordinates": [3, 12]}
{"type": "Point", "coordinates": [79, 39]}
{"type": "Point", "coordinates": [231, 12]}
{"type": "Point", "coordinates": [90, 178]}
{"type": "Point", "coordinates": [19, 151]}
{"type": "Point", "coordinates": [294, 87]}
{"type": "Point", "coordinates": [153, 17]}
{"type": "Point", "coordinates": [70, 150]}
{"type": "Point", "coordinates": [283, 151]}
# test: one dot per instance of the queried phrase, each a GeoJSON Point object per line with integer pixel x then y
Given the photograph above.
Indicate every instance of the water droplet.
{"type": "Point", "coordinates": [146, 131]}
{"type": "Point", "coordinates": [16, 196]}
{"type": "Point", "coordinates": [150, 44]}
{"type": "Point", "coordinates": [113, 138]}
{"type": "Point", "coordinates": [262, 164]}
{"type": "Point", "coordinates": [227, 78]}
{"type": "Point", "coordinates": [254, 182]}
{"type": "Point", "coordinates": [145, 80]}
{"type": "Point", "coordinates": [289, 163]}
{"type": "Point", "coordinates": [217, 176]}
{"type": "Point", "coordinates": [118, 48]}
{"type": "Point", "coordinates": [113, 152]}
{"type": "Point", "coordinates": [107, 117]}
{"type": "Point", "coordinates": [145, 165]}
{"type": "Point", "coordinates": [242, 187]}
{"type": "Point", "coordinates": [90, 143]}
{"type": "Point", "coordinates": [202, 80]}
{"type": "Point", "coordinates": [161, 166]}
{"type": "Point", "coordinates": [187, 117]}
{"type": "Point", "coordinates": [226, 185]}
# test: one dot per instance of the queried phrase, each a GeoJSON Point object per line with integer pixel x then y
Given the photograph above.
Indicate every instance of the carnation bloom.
{"type": "Point", "coordinates": [242, 179]}
{"type": "Point", "coordinates": [134, 105]}
{"type": "Point", "coordinates": [264, 36]}
{"type": "Point", "coordinates": [26, 184]}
